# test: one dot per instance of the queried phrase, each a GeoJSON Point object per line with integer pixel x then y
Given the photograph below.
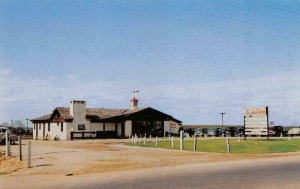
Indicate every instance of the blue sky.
{"type": "Point", "coordinates": [190, 59]}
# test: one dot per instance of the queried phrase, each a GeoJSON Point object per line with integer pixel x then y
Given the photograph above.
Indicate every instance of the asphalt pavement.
{"type": "Point", "coordinates": [241, 174]}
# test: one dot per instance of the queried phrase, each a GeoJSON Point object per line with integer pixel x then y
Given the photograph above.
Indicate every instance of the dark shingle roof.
{"type": "Point", "coordinates": [101, 112]}
{"type": "Point", "coordinates": [90, 112]}
{"type": "Point", "coordinates": [42, 118]}
{"type": "Point", "coordinates": [94, 113]}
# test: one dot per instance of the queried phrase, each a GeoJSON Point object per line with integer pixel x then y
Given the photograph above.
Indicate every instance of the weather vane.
{"type": "Point", "coordinates": [135, 91]}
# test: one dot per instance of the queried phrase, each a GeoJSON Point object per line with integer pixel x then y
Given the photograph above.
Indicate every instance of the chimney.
{"type": "Point", "coordinates": [78, 111]}
{"type": "Point", "coordinates": [134, 103]}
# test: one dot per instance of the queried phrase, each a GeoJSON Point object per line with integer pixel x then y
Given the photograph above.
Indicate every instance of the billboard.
{"type": "Point", "coordinates": [256, 121]}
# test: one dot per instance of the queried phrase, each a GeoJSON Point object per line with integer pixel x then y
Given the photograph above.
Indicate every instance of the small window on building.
{"type": "Point", "coordinates": [39, 126]}
{"type": "Point", "coordinates": [48, 126]}
{"type": "Point", "coordinates": [34, 126]}
{"type": "Point", "coordinates": [81, 127]}
{"type": "Point", "coordinates": [61, 127]}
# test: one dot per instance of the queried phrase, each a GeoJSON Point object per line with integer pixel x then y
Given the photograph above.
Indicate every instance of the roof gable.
{"type": "Point", "coordinates": [101, 114]}
{"type": "Point", "coordinates": [140, 114]}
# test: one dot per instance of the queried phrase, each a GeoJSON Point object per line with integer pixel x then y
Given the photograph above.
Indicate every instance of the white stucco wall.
{"type": "Point", "coordinates": [96, 126]}
{"type": "Point", "coordinates": [55, 131]}
{"type": "Point", "coordinates": [78, 112]}
{"type": "Point", "coordinates": [39, 128]}
{"type": "Point", "coordinates": [128, 128]}
{"type": "Point", "coordinates": [167, 126]}
{"type": "Point", "coordinates": [110, 126]}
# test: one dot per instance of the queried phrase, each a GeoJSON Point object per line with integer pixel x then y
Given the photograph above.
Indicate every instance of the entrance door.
{"type": "Point", "coordinates": [123, 130]}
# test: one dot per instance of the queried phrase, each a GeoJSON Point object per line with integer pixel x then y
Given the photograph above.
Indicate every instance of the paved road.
{"type": "Point", "coordinates": [243, 174]}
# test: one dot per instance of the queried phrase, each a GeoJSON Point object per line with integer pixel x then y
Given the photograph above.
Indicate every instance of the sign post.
{"type": "Point", "coordinates": [268, 127]}
{"type": "Point", "coordinates": [29, 155]}
{"type": "Point", "coordinates": [256, 122]}
{"type": "Point", "coordinates": [20, 147]}
{"type": "Point", "coordinates": [181, 140]}
{"type": "Point", "coordinates": [195, 143]}
{"type": "Point", "coordinates": [7, 143]}
{"type": "Point", "coordinates": [228, 145]}
{"type": "Point", "coordinates": [244, 131]}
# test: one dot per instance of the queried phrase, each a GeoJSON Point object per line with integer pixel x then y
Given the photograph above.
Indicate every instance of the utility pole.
{"type": "Point", "coordinates": [244, 128]}
{"type": "Point", "coordinates": [267, 111]}
{"type": "Point", "coordinates": [222, 113]}
{"type": "Point", "coordinates": [27, 125]}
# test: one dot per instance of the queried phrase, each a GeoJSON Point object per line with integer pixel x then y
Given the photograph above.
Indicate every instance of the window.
{"type": "Point", "coordinates": [81, 127]}
{"type": "Point", "coordinates": [39, 126]}
{"type": "Point", "coordinates": [61, 127]}
{"type": "Point", "coordinates": [34, 126]}
{"type": "Point", "coordinates": [48, 126]}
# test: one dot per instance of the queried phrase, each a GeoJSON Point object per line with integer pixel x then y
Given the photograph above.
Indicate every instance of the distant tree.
{"type": "Point", "coordinates": [5, 124]}
{"type": "Point", "coordinates": [18, 124]}
{"type": "Point", "coordinates": [18, 127]}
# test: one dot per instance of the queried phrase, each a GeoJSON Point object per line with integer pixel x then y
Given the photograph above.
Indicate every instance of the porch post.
{"type": "Point", "coordinates": [116, 129]}
{"type": "Point", "coordinates": [104, 134]}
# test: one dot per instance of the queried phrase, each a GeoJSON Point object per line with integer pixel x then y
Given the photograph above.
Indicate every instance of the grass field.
{"type": "Point", "coordinates": [250, 146]}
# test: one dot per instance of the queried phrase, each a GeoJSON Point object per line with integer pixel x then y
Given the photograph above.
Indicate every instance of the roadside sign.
{"type": "Point", "coordinates": [256, 121]}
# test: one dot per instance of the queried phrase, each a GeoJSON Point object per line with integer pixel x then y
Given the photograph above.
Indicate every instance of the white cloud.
{"type": "Point", "coordinates": [201, 103]}
{"type": "Point", "coordinates": [192, 103]}
{"type": "Point", "coordinates": [4, 72]}
{"type": "Point", "coordinates": [71, 77]}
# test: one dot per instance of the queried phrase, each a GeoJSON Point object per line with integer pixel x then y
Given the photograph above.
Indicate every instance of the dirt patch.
{"type": "Point", "coordinates": [103, 156]}
{"type": "Point", "coordinates": [95, 146]}
{"type": "Point", "coordinates": [9, 165]}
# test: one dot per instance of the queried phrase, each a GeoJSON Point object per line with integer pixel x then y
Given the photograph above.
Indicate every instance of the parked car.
{"type": "Point", "coordinates": [13, 138]}
{"type": "Point", "coordinates": [271, 131]}
{"type": "Point", "coordinates": [294, 131]}
{"type": "Point", "coordinates": [230, 131]}
{"type": "Point", "coordinates": [189, 131]}
{"type": "Point", "coordinates": [185, 134]}
{"type": "Point", "coordinates": [214, 132]}
{"type": "Point", "coordinates": [240, 131]}
{"type": "Point", "coordinates": [279, 130]}
{"type": "Point", "coordinates": [203, 131]}
{"type": "Point", "coordinates": [219, 131]}
{"type": "Point", "coordinates": [198, 132]}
